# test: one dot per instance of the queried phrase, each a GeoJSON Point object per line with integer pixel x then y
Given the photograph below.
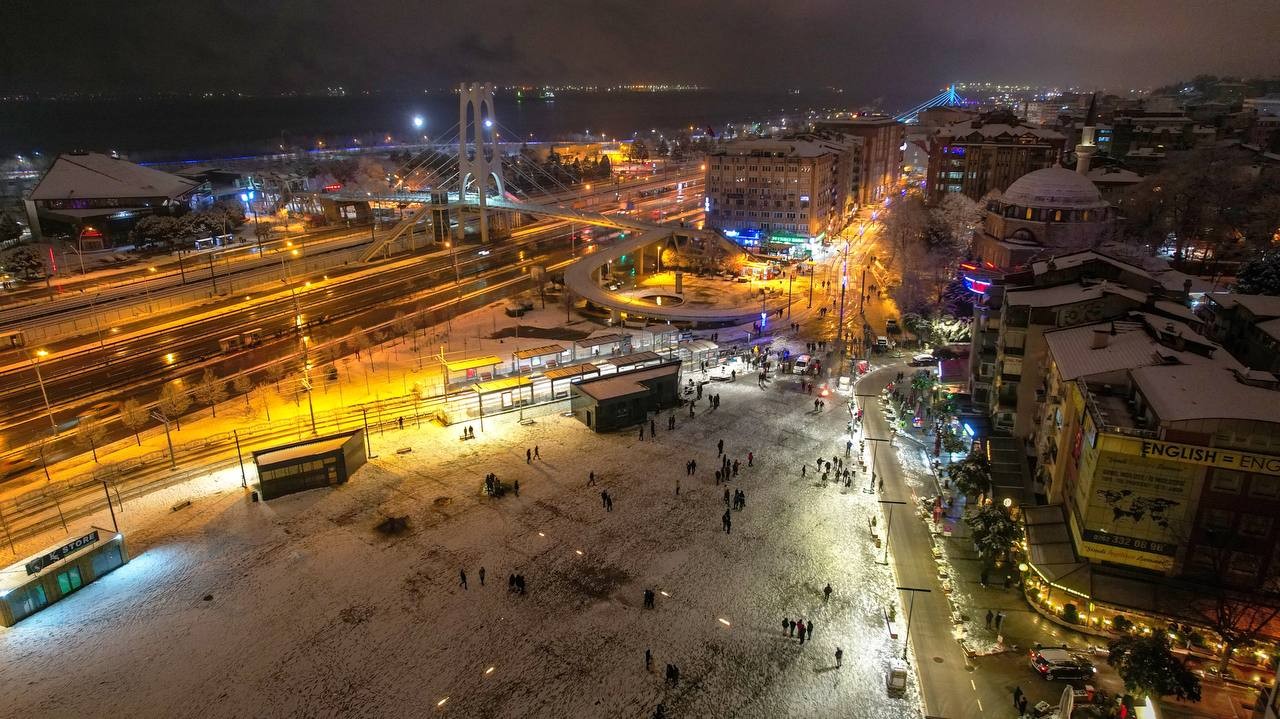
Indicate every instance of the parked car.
{"type": "Point", "coordinates": [1061, 664]}
{"type": "Point", "coordinates": [891, 327]}
{"type": "Point", "coordinates": [896, 680]}
{"type": "Point", "coordinates": [844, 385]}
{"type": "Point", "coordinates": [924, 360]}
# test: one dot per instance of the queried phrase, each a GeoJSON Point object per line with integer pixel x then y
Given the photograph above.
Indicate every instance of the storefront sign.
{"type": "Point", "coordinates": [1212, 457]}
{"type": "Point", "coordinates": [61, 553]}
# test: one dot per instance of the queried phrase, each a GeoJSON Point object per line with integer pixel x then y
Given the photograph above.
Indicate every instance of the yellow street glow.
{"type": "Point", "coordinates": [169, 358]}
{"type": "Point", "coordinates": [42, 353]}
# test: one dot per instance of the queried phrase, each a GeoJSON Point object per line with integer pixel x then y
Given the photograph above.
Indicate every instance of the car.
{"type": "Point", "coordinates": [896, 680]}
{"type": "Point", "coordinates": [844, 385]}
{"type": "Point", "coordinates": [923, 360]}
{"type": "Point", "coordinates": [483, 253]}
{"type": "Point", "coordinates": [891, 327]}
{"type": "Point", "coordinates": [1063, 663]}
{"type": "Point", "coordinates": [802, 364]}
{"type": "Point", "coordinates": [882, 344]}
{"type": "Point", "coordinates": [14, 466]}
{"type": "Point", "coordinates": [514, 310]}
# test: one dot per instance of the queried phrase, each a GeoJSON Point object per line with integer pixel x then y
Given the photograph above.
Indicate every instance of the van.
{"type": "Point", "coordinates": [896, 680]}
{"type": "Point", "coordinates": [802, 364]}
{"type": "Point", "coordinates": [882, 344]}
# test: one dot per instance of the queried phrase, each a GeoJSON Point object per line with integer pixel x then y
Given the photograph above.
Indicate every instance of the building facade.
{"type": "Point", "coordinates": [880, 162]}
{"type": "Point", "coordinates": [782, 190]}
{"type": "Point", "coordinates": [976, 156]}
{"type": "Point", "coordinates": [1247, 325]}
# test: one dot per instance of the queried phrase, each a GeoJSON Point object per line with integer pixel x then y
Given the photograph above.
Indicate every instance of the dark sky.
{"type": "Point", "coordinates": [866, 47]}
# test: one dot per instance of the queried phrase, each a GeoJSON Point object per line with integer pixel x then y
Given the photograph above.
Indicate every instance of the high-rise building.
{"type": "Point", "coordinates": [988, 153]}
{"type": "Point", "coordinates": [880, 163]}
{"type": "Point", "coordinates": [777, 193]}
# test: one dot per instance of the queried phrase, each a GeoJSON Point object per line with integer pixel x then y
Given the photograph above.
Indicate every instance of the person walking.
{"type": "Point", "coordinates": [528, 456]}
{"type": "Point", "coordinates": [536, 454]}
{"type": "Point", "coordinates": [653, 429]}
{"type": "Point", "coordinates": [751, 458]}
{"type": "Point", "coordinates": [482, 576]}
{"type": "Point", "coordinates": [642, 433]}
{"type": "Point", "coordinates": [608, 503]}
{"type": "Point", "coordinates": [728, 522]}
{"type": "Point", "coordinates": [735, 468]}
{"type": "Point", "coordinates": [511, 582]}
{"type": "Point", "coordinates": [999, 620]}
{"type": "Point", "coordinates": [677, 487]}
{"type": "Point", "coordinates": [400, 422]}
{"type": "Point", "coordinates": [719, 448]}
{"type": "Point", "coordinates": [604, 499]}
{"type": "Point", "coordinates": [809, 628]}
{"type": "Point", "coordinates": [786, 625]}
{"type": "Point", "coordinates": [1017, 696]}
{"type": "Point", "coordinates": [803, 469]}
{"type": "Point", "coordinates": [839, 655]}
{"type": "Point", "coordinates": [693, 466]}
{"type": "Point", "coordinates": [462, 575]}
{"type": "Point", "coordinates": [648, 659]}
{"type": "Point", "coordinates": [591, 478]}
{"type": "Point", "coordinates": [726, 496]}
{"type": "Point", "coordinates": [990, 616]}
{"type": "Point", "coordinates": [791, 628]}
{"type": "Point", "coordinates": [1022, 705]}
{"type": "Point", "coordinates": [800, 630]}
{"type": "Point", "coordinates": [515, 488]}
{"type": "Point", "coordinates": [826, 592]}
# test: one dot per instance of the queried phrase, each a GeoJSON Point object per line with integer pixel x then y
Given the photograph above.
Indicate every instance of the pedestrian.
{"type": "Point", "coordinates": [671, 422]}
{"type": "Point", "coordinates": [839, 655]}
{"type": "Point", "coordinates": [728, 522]}
{"type": "Point", "coordinates": [982, 577]}
{"type": "Point", "coordinates": [515, 488]}
{"type": "Point", "coordinates": [726, 496]}
{"type": "Point", "coordinates": [803, 469]}
{"type": "Point", "coordinates": [1022, 705]}
{"type": "Point", "coordinates": [660, 712]}
{"type": "Point", "coordinates": [750, 459]}
{"type": "Point", "coordinates": [826, 592]}
{"type": "Point", "coordinates": [608, 503]}
{"type": "Point", "coordinates": [400, 421]}
{"type": "Point", "coordinates": [693, 466]}
{"type": "Point", "coordinates": [653, 429]}
{"type": "Point", "coordinates": [648, 659]}
{"type": "Point", "coordinates": [677, 487]}
{"type": "Point", "coordinates": [719, 448]}
{"type": "Point", "coordinates": [809, 628]}
{"type": "Point", "coordinates": [670, 674]}
{"type": "Point", "coordinates": [800, 630]}
{"type": "Point", "coordinates": [791, 628]}
{"type": "Point", "coordinates": [511, 583]}
{"type": "Point", "coordinates": [999, 620]}
{"type": "Point", "coordinates": [882, 484]}
{"type": "Point", "coordinates": [462, 574]}
{"type": "Point", "coordinates": [990, 616]}
{"type": "Point", "coordinates": [690, 410]}
{"type": "Point", "coordinates": [786, 625]}
{"type": "Point", "coordinates": [735, 468]}
{"type": "Point", "coordinates": [536, 454]}
{"type": "Point", "coordinates": [1017, 696]}
{"type": "Point", "coordinates": [482, 576]}
{"type": "Point", "coordinates": [520, 583]}
{"type": "Point", "coordinates": [848, 447]}
{"type": "Point", "coordinates": [717, 478]}
{"type": "Point", "coordinates": [604, 498]}
{"type": "Point", "coordinates": [642, 433]}
{"type": "Point", "coordinates": [528, 456]}
{"type": "Point", "coordinates": [591, 478]}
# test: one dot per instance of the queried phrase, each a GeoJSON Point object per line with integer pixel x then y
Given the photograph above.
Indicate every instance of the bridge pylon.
{"type": "Point", "coordinates": [479, 158]}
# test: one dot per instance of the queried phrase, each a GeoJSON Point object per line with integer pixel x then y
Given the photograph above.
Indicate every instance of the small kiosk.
{"type": "Point", "coordinates": [34, 583]}
{"type": "Point", "coordinates": [312, 463]}
{"type": "Point", "coordinates": [624, 399]}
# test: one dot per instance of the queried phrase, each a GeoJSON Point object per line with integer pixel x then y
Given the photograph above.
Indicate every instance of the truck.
{"type": "Point", "coordinates": [241, 341]}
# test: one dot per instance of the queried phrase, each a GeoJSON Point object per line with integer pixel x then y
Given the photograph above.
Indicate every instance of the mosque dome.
{"type": "Point", "coordinates": [1055, 188]}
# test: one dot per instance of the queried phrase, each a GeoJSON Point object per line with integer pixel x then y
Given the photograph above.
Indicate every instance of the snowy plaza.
{"type": "Point", "coordinates": [300, 607]}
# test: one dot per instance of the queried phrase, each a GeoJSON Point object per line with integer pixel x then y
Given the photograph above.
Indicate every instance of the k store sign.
{"type": "Point", "coordinates": [1212, 457]}
{"type": "Point", "coordinates": [61, 553]}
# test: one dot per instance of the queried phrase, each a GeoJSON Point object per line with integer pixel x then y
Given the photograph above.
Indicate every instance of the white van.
{"type": "Point", "coordinates": [896, 680]}
{"type": "Point", "coordinates": [802, 364]}
{"type": "Point", "coordinates": [882, 344]}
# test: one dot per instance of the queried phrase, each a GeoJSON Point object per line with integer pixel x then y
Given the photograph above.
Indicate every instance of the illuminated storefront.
{"type": "Point", "coordinates": [33, 583]}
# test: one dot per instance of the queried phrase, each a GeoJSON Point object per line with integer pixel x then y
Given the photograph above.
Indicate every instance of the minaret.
{"type": "Point", "coordinates": [1086, 148]}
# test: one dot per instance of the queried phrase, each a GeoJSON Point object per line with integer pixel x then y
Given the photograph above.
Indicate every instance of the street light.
{"type": "Point", "coordinates": [418, 122]}
{"type": "Point", "coordinates": [35, 362]}
{"type": "Point", "coordinates": [911, 605]}
{"type": "Point", "coordinates": [889, 527]}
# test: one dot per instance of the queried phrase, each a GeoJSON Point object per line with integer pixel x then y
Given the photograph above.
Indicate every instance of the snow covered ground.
{"type": "Point", "coordinates": [300, 608]}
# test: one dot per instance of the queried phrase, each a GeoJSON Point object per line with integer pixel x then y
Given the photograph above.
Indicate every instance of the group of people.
{"type": "Point", "coordinates": [531, 454]}
{"type": "Point", "coordinates": [515, 582]}
{"type": "Point", "coordinates": [798, 628]}
{"type": "Point", "coordinates": [606, 500]}
{"type": "Point", "coordinates": [738, 500]}
{"type": "Point", "coordinates": [648, 599]}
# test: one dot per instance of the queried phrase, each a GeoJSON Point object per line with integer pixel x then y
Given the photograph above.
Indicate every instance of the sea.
{"type": "Point", "coordinates": [191, 128]}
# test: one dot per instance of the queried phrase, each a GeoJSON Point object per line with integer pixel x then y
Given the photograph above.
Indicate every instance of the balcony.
{"type": "Point", "coordinates": [1013, 351]}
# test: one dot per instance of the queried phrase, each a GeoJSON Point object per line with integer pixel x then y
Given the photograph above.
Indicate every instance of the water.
{"type": "Point", "coordinates": [198, 128]}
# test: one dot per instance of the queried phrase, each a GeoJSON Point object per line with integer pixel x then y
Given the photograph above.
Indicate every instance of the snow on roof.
{"type": "Point", "coordinates": [785, 147]}
{"type": "Point", "coordinates": [1070, 294]}
{"type": "Point", "coordinates": [600, 340]}
{"type": "Point", "coordinates": [543, 351]}
{"type": "Point", "coordinates": [94, 175]}
{"type": "Point", "coordinates": [1134, 344]}
{"type": "Point", "coordinates": [1076, 259]}
{"type": "Point", "coordinates": [298, 450]}
{"type": "Point", "coordinates": [965, 128]}
{"type": "Point", "coordinates": [1204, 391]}
{"type": "Point", "coordinates": [15, 575]}
{"type": "Point", "coordinates": [1271, 328]}
{"type": "Point", "coordinates": [1054, 187]}
{"type": "Point", "coordinates": [570, 371]}
{"type": "Point", "coordinates": [1265, 306]}
{"type": "Point", "coordinates": [631, 359]}
{"type": "Point", "coordinates": [1113, 175]}
{"type": "Point", "coordinates": [624, 384]}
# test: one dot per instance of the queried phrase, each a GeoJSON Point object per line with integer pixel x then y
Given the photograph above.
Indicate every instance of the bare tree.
{"type": "Point", "coordinates": [357, 340]}
{"type": "Point", "coordinates": [276, 372]}
{"type": "Point", "coordinates": [243, 386]}
{"type": "Point", "coordinates": [173, 402]}
{"type": "Point", "coordinates": [1237, 610]}
{"type": "Point", "coordinates": [133, 415]}
{"type": "Point", "coordinates": [89, 433]}
{"type": "Point", "coordinates": [210, 390]}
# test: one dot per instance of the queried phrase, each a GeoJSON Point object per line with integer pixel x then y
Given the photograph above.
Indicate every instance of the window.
{"type": "Point", "coordinates": [1226, 481]}
{"type": "Point", "coordinates": [106, 560]}
{"type": "Point", "coordinates": [1217, 520]}
{"type": "Point", "coordinates": [69, 581]}
{"type": "Point", "coordinates": [1257, 526]}
{"type": "Point", "coordinates": [1245, 563]}
{"type": "Point", "coordinates": [1264, 487]}
{"type": "Point", "coordinates": [30, 602]}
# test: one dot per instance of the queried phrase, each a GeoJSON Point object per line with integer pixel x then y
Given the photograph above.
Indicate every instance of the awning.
{"type": "Point", "coordinates": [600, 340]}
{"type": "Point", "coordinates": [570, 371]}
{"type": "Point", "coordinates": [632, 359]}
{"type": "Point", "coordinates": [539, 352]}
{"type": "Point", "coordinates": [501, 385]}
{"type": "Point", "coordinates": [463, 365]}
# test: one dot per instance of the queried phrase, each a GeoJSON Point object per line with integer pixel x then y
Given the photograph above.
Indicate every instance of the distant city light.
{"type": "Point", "coordinates": [419, 121]}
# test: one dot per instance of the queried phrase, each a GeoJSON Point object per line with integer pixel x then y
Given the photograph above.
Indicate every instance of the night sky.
{"type": "Point", "coordinates": [865, 47]}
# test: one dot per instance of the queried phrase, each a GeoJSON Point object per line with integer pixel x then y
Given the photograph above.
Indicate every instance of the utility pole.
{"type": "Point", "coordinates": [911, 605]}
{"type": "Point", "coordinates": [888, 526]}
{"type": "Point", "coordinates": [212, 275]}
{"type": "Point", "coordinates": [165, 420]}
{"type": "Point", "coordinates": [35, 362]}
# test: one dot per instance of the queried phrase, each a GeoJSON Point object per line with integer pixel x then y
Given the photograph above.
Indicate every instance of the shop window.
{"type": "Point", "coordinates": [30, 602]}
{"type": "Point", "coordinates": [1264, 487]}
{"type": "Point", "coordinates": [106, 560]}
{"type": "Point", "coordinates": [1255, 525]}
{"type": "Point", "coordinates": [69, 581]}
{"type": "Point", "coordinates": [1226, 481]}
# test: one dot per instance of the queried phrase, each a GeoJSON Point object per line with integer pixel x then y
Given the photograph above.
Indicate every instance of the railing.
{"type": "Point", "coordinates": [1099, 417]}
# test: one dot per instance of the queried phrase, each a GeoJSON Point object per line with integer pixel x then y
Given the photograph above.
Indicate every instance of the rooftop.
{"type": "Point", "coordinates": [1056, 188]}
{"type": "Point", "coordinates": [297, 450]}
{"type": "Point", "coordinates": [1135, 343]}
{"type": "Point", "coordinates": [1261, 306]}
{"type": "Point", "coordinates": [625, 384]}
{"type": "Point", "coordinates": [1075, 259]}
{"type": "Point", "coordinates": [93, 175]}
{"type": "Point", "coordinates": [1204, 391]}
{"type": "Point", "coordinates": [1070, 294]}
{"type": "Point", "coordinates": [965, 129]}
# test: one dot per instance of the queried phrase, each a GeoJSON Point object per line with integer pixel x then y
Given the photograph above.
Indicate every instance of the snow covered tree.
{"type": "Point", "coordinates": [90, 432]}
{"type": "Point", "coordinates": [1148, 667]}
{"type": "Point", "coordinates": [10, 230]}
{"type": "Point", "coordinates": [210, 390]}
{"type": "Point", "coordinates": [173, 402]}
{"type": "Point", "coordinates": [25, 262]}
{"type": "Point", "coordinates": [994, 531]}
{"type": "Point", "coordinates": [133, 415]}
{"type": "Point", "coordinates": [972, 475]}
{"type": "Point", "coordinates": [1260, 275]}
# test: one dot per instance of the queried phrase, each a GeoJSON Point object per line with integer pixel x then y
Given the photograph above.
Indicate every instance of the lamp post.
{"type": "Point", "coordinates": [35, 362]}
{"type": "Point", "coordinates": [911, 605]}
{"type": "Point", "coordinates": [888, 526]}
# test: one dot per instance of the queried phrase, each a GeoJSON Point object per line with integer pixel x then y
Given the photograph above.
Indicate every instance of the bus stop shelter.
{"type": "Point", "coordinates": [470, 369]}
{"type": "Point", "coordinates": [535, 358]}
{"type": "Point", "coordinates": [562, 377]}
